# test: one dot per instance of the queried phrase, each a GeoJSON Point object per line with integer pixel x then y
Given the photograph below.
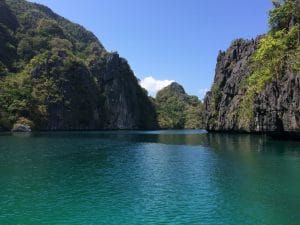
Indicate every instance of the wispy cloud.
{"type": "Point", "coordinates": [153, 86]}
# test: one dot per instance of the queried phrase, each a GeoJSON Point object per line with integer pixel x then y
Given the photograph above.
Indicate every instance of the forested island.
{"type": "Point", "coordinates": [56, 75]}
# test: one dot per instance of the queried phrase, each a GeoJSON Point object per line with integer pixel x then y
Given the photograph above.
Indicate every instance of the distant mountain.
{"type": "Point", "coordinates": [56, 75]}
{"type": "Point", "coordinates": [178, 110]}
{"type": "Point", "coordinates": [257, 82]}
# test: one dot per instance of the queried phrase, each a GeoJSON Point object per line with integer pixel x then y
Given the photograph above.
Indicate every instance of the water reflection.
{"type": "Point", "coordinates": [215, 141]}
{"type": "Point", "coordinates": [153, 177]}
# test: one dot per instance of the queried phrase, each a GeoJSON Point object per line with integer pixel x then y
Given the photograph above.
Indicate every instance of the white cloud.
{"type": "Point", "coordinates": [202, 92]}
{"type": "Point", "coordinates": [153, 86]}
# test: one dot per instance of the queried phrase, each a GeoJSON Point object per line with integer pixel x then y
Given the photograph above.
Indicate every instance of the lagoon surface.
{"type": "Point", "coordinates": [159, 177]}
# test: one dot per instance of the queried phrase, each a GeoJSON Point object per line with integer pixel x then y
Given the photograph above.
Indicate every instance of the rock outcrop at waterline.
{"type": "Point", "coordinates": [21, 128]}
{"type": "Point", "coordinates": [56, 75]}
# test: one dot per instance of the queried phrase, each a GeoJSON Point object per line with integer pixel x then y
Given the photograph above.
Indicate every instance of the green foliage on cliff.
{"type": "Point", "coordinates": [278, 52]}
{"type": "Point", "coordinates": [216, 98]}
{"type": "Point", "coordinates": [285, 14]}
{"type": "Point", "coordinates": [53, 69]}
{"type": "Point", "coordinates": [40, 55]}
{"type": "Point", "coordinates": [177, 110]}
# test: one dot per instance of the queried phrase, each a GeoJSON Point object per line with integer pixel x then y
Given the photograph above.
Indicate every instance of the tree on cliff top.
{"type": "Point", "coordinates": [285, 14]}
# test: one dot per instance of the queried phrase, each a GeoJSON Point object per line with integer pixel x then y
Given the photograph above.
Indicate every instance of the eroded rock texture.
{"type": "Point", "coordinates": [276, 108]}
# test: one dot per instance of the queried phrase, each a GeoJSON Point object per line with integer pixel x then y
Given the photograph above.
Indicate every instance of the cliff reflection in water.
{"type": "Point", "coordinates": [215, 141]}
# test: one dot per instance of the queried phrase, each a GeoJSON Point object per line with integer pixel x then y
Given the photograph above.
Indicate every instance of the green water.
{"type": "Point", "coordinates": [167, 177]}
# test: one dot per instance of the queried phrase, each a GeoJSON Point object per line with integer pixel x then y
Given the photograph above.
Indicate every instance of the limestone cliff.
{"type": "Point", "coordinates": [275, 109]}
{"type": "Point", "coordinates": [257, 83]}
{"type": "Point", "coordinates": [56, 75]}
{"type": "Point", "coordinates": [222, 102]}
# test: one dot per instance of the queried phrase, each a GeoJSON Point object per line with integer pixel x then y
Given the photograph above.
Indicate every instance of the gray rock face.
{"type": "Point", "coordinates": [21, 128]}
{"type": "Point", "coordinates": [276, 109]}
{"type": "Point", "coordinates": [224, 98]}
{"type": "Point", "coordinates": [126, 106]}
{"type": "Point", "coordinates": [176, 88]}
{"type": "Point", "coordinates": [115, 101]}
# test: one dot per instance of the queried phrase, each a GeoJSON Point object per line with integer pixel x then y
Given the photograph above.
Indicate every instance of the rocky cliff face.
{"type": "Point", "coordinates": [276, 108]}
{"type": "Point", "coordinates": [128, 107]}
{"type": "Point", "coordinates": [55, 75]}
{"type": "Point", "coordinates": [256, 86]}
{"type": "Point", "coordinates": [223, 100]}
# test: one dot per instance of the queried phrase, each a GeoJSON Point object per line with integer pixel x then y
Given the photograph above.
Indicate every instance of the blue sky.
{"type": "Point", "coordinates": [168, 39]}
